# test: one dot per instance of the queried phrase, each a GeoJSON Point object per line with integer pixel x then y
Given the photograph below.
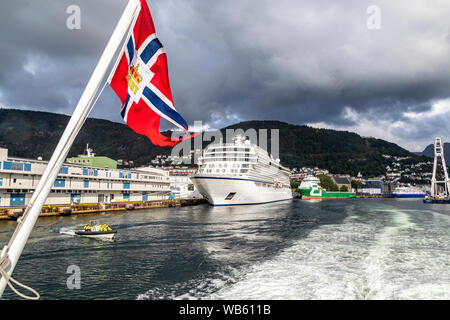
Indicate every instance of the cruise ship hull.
{"type": "Point", "coordinates": [408, 196]}
{"type": "Point", "coordinates": [228, 191]}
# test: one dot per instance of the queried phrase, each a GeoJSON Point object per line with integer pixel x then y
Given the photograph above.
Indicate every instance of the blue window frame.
{"type": "Point", "coordinates": [9, 165]}
{"type": "Point", "coordinates": [126, 185]}
{"type": "Point", "coordinates": [1, 182]}
{"type": "Point", "coordinates": [17, 199]}
{"type": "Point", "coordinates": [75, 198]}
{"type": "Point", "coordinates": [126, 196]}
{"type": "Point", "coordinates": [59, 183]}
{"type": "Point", "coordinates": [86, 183]}
{"type": "Point", "coordinates": [85, 172]}
{"type": "Point", "coordinates": [17, 166]}
{"type": "Point", "coordinates": [64, 170]}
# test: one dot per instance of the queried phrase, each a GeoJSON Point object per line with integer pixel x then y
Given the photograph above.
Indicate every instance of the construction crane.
{"type": "Point", "coordinates": [435, 189]}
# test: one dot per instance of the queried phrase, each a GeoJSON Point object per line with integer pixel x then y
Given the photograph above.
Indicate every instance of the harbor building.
{"type": "Point", "coordinates": [342, 180]}
{"type": "Point", "coordinates": [181, 185]}
{"type": "Point", "coordinates": [80, 183]}
{"type": "Point", "coordinates": [371, 187]}
{"type": "Point", "coordinates": [90, 159]}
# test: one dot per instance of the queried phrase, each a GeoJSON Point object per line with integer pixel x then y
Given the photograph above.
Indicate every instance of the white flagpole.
{"type": "Point", "coordinates": [26, 223]}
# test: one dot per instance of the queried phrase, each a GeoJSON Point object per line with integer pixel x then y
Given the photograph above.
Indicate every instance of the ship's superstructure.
{"type": "Point", "coordinates": [309, 182]}
{"type": "Point", "coordinates": [310, 189]}
{"type": "Point", "coordinates": [240, 173]}
{"type": "Point", "coordinates": [79, 182]}
{"type": "Point", "coordinates": [407, 191]}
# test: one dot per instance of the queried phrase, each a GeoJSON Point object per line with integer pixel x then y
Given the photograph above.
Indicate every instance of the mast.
{"type": "Point", "coordinates": [26, 223]}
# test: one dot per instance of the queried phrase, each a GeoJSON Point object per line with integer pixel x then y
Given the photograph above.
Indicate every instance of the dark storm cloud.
{"type": "Point", "coordinates": [305, 61]}
{"type": "Point", "coordinates": [231, 60]}
{"type": "Point", "coordinates": [43, 64]}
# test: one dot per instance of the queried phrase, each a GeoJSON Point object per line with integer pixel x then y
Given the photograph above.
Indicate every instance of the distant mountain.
{"type": "Point", "coordinates": [30, 134]}
{"type": "Point", "coordinates": [337, 151]}
{"type": "Point", "coordinates": [429, 151]}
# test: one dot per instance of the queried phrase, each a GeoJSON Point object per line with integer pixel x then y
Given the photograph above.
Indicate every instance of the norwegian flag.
{"type": "Point", "coordinates": [141, 80]}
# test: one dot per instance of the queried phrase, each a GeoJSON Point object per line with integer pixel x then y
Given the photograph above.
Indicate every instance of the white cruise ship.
{"type": "Point", "coordinates": [241, 173]}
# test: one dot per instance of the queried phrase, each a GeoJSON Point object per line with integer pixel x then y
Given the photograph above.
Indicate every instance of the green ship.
{"type": "Point", "coordinates": [310, 189]}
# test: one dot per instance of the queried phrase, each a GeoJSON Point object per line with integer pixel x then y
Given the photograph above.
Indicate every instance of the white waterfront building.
{"type": "Point", "coordinates": [78, 183]}
{"type": "Point", "coordinates": [181, 185]}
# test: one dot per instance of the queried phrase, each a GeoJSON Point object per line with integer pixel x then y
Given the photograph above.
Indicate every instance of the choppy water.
{"type": "Point", "coordinates": [333, 249]}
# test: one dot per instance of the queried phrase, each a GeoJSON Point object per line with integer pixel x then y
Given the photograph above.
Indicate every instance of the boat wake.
{"type": "Point", "coordinates": [194, 289]}
{"type": "Point", "coordinates": [69, 230]}
{"type": "Point", "coordinates": [384, 257]}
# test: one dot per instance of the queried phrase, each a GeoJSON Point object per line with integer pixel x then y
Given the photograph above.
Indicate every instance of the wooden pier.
{"type": "Point", "coordinates": [12, 213]}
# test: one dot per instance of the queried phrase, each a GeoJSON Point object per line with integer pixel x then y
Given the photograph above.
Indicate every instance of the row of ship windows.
{"type": "Point", "coordinates": [265, 185]}
{"type": "Point", "coordinates": [223, 171]}
{"type": "Point", "coordinates": [225, 165]}
{"type": "Point", "coordinates": [236, 155]}
{"type": "Point", "coordinates": [215, 159]}
{"type": "Point", "coordinates": [225, 149]}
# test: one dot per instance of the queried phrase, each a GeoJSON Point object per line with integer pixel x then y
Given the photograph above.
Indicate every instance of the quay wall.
{"type": "Point", "coordinates": [12, 213]}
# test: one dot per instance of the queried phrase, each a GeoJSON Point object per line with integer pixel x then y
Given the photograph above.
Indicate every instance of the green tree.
{"type": "Point", "coordinates": [344, 188]}
{"type": "Point", "coordinates": [356, 184]}
{"type": "Point", "coordinates": [295, 184]}
{"type": "Point", "coordinates": [327, 183]}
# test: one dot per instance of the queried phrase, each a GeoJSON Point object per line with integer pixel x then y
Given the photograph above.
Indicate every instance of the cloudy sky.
{"type": "Point", "coordinates": [303, 62]}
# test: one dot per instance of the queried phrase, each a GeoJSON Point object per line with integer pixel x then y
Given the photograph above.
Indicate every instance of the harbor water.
{"type": "Point", "coordinates": [316, 249]}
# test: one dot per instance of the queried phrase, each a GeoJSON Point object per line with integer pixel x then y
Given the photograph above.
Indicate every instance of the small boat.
{"type": "Point", "coordinates": [436, 200]}
{"type": "Point", "coordinates": [97, 231]}
{"type": "Point", "coordinates": [440, 198]}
